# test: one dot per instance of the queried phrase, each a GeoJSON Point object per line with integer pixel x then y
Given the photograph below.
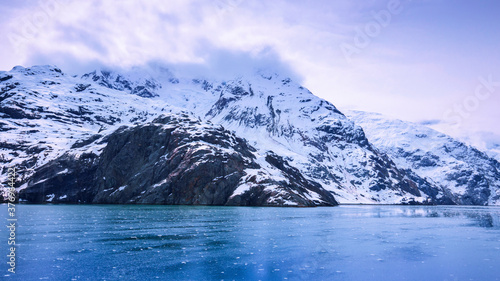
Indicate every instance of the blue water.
{"type": "Point", "coordinates": [71, 242]}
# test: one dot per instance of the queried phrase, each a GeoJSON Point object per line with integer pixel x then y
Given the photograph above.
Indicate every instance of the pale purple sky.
{"type": "Point", "coordinates": [415, 60]}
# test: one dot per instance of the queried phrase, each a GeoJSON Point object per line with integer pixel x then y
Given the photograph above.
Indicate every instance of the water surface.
{"type": "Point", "coordinates": [113, 242]}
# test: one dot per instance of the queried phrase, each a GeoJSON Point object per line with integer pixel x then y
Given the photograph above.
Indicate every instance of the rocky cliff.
{"type": "Point", "coordinates": [175, 159]}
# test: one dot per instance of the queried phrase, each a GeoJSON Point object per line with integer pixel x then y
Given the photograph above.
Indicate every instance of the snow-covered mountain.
{"type": "Point", "coordinates": [494, 151]}
{"type": "Point", "coordinates": [487, 142]}
{"type": "Point", "coordinates": [141, 86]}
{"type": "Point", "coordinates": [468, 175]}
{"type": "Point", "coordinates": [302, 146]}
{"type": "Point", "coordinates": [44, 113]}
{"type": "Point", "coordinates": [275, 113]}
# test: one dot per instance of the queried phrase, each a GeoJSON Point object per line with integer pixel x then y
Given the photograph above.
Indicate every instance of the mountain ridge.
{"type": "Point", "coordinates": [274, 114]}
{"type": "Point", "coordinates": [471, 175]}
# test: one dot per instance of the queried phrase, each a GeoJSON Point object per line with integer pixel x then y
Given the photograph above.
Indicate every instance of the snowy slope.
{"type": "Point", "coordinates": [494, 152]}
{"type": "Point", "coordinates": [469, 174]}
{"type": "Point", "coordinates": [275, 113]}
{"type": "Point", "coordinates": [487, 142]}
{"type": "Point", "coordinates": [44, 112]}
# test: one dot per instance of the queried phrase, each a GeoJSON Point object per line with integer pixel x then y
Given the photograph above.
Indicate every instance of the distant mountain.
{"type": "Point", "coordinates": [261, 139]}
{"type": "Point", "coordinates": [494, 151]}
{"type": "Point", "coordinates": [487, 142]}
{"type": "Point", "coordinates": [469, 176]}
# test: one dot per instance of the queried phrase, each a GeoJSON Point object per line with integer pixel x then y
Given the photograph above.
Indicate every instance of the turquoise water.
{"type": "Point", "coordinates": [75, 242]}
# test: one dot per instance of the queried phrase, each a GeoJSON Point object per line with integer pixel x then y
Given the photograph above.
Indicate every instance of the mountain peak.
{"type": "Point", "coordinates": [136, 82]}
{"type": "Point", "coordinates": [38, 69]}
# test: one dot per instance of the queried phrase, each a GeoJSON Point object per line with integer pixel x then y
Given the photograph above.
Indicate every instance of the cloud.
{"type": "Point", "coordinates": [216, 63]}
{"type": "Point", "coordinates": [429, 122]}
{"type": "Point", "coordinates": [222, 63]}
{"type": "Point", "coordinates": [78, 34]}
{"type": "Point", "coordinates": [176, 31]}
{"type": "Point", "coordinates": [197, 36]}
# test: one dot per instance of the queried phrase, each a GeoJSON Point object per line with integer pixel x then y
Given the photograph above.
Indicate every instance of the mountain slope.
{"type": "Point", "coordinates": [471, 176]}
{"type": "Point", "coordinates": [175, 159]}
{"type": "Point", "coordinates": [44, 113]}
{"type": "Point", "coordinates": [275, 113]}
{"type": "Point", "coordinates": [52, 122]}
{"type": "Point", "coordinates": [306, 150]}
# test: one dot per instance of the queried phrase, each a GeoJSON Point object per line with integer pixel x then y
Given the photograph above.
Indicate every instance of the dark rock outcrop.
{"type": "Point", "coordinates": [175, 159]}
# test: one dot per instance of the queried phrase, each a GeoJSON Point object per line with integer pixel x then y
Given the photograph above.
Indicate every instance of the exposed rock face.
{"type": "Point", "coordinates": [175, 159]}
{"type": "Point", "coordinates": [44, 113]}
